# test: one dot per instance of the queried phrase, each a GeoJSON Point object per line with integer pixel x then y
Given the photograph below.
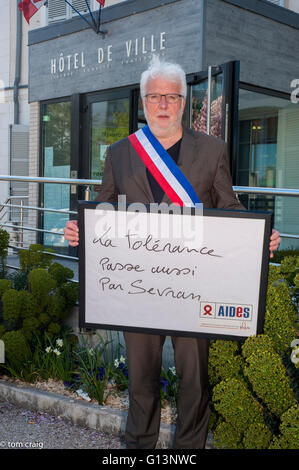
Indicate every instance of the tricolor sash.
{"type": "Point", "coordinates": [163, 168]}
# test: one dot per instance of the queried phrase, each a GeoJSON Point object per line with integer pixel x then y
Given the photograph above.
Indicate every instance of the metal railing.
{"type": "Point", "coordinates": [89, 182]}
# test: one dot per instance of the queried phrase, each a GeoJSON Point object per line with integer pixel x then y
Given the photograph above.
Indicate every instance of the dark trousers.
{"type": "Point", "coordinates": [144, 353]}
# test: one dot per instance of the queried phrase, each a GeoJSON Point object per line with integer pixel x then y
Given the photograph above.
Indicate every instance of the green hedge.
{"type": "Point", "coordinates": [254, 383]}
{"type": "Point", "coordinates": [33, 303]}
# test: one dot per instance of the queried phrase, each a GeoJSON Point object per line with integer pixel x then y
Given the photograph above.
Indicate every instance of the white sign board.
{"type": "Point", "coordinates": [211, 285]}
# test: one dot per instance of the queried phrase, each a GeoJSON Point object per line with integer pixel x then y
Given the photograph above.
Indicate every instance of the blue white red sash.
{"type": "Point", "coordinates": [163, 168]}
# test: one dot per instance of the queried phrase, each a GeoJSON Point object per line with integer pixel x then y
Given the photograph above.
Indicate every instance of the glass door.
{"type": "Point", "coordinates": [106, 120]}
{"type": "Point", "coordinates": [212, 104]}
{"type": "Point", "coordinates": [56, 163]}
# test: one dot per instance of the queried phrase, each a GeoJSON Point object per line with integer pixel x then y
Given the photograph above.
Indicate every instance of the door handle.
{"type": "Point", "coordinates": [74, 175]}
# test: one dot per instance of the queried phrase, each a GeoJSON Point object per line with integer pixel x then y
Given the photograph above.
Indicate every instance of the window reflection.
{"type": "Point", "coordinates": [199, 101]}
{"type": "Point", "coordinates": [56, 142]}
{"type": "Point", "coordinates": [109, 123]}
{"type": "Point", "coordinates": [268, 155]}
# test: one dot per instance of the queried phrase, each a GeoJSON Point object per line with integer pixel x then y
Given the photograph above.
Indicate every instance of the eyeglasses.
{"type": "Point", "coordinates": [171, 98]}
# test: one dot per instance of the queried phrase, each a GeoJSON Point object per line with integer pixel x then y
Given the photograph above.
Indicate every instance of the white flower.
{"type": "Point", "coordinates": [56, 352]}
{"type": "Point", "coordinates": [122, 359]}
{"type": "Point", "coordinates": [91, 352]}
{"type": "Point", "coordinates": [48, 349]}
{"type": "Point", "coordinates": [59, 343]}
{"type": "Point", "coordinates": [172, 369]}
{"type": "Point", "coordinates": [116, 363]}
{"type": "Point", "coordinates": [83, 395]}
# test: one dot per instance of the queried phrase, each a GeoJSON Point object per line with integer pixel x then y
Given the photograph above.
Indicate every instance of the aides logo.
{"type": "Point", "coordinates": [225, 311]}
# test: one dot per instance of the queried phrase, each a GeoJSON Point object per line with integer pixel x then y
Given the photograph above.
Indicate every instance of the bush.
{"type": "Point", "coordinates": [289, 267]}
{"type": "Point", "coordinates": [225, 360]}
{"type": "Point", "coordinates": [280, 316]}
{"type": "Point", "coordinates": [4, 242]}
{"type": "Point", "coordinates": [255, 382]}
{"type": "Point", "coordinates": [5, 284]}
{"type": "Point", "coordinates": [236, 405]}
{"type": "Point", "coordinates": [35, 258]}
{"type": "Point", "coordinates": [11, 300]}
{"type": "Point", "coordinates": [35, 301]}
{"type": "Point", "coordinates": [226, 437]}
{"type": "Point", "coordinates": [17, 350]}
{"type": "Point", "coordinates": [257, 436]}
{"type": "Point", "coordinates": [266, 374]}
{"type": "Point", "coordinates": [289, 428]}
{"type": "Point", "coordinates": [41, 284]}
{"type": "Point", "coordinates": [279, 255]}
{"type": "Point", "coordinates": [256, 342]}
{"type": "Point", "coordinates": [60, 273]}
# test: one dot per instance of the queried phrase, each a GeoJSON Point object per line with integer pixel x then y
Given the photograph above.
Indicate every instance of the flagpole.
{"type": "Point", "coordinates": [83, 17]}
{"type": "Point", "coordinates": [90, 12]}
{"type": "Point", "coordinates": [99, 22]}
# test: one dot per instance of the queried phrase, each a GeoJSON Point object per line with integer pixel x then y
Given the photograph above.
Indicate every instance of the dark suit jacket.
{"type": "Point", "coordinates": [202, 159]}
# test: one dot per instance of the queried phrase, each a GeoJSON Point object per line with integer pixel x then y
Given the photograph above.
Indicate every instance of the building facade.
{"type": "Point", "coordinates": [241, 64]}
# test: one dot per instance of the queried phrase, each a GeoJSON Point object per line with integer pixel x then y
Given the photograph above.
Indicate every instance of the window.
{"type": "Point", "coordinates": [59, 10]}
{"type": "Point", "coordinates": [268, 155]}
{"type": "Point", "coordinates": [280, 3]}
{"type": "Point", "coordinates": [56, 154]}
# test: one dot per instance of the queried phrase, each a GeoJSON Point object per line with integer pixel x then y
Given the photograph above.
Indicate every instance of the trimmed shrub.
{"type": "Point", "coordinates": [30, 325]}
{"type": "Point", "coordinates": [257, 436]}
{"type": "Point", "coordinates": [17, 350]}
{"type": "Point", "coordinates": [35, 258]}
{"type": "Point", "coordinates": [41, 284]}
{"type": "Point", "coordinates": [4, 242]}
{"type": "Point", "coordinates": [266, 374]}
{"type": "Point", "coordinates": [256, 342]}
{"type": "Point", "coordinates": [255, 382]}
{"type": "Point", "coordinates": [280, 317]}
{"type": "Point", "coordinates": [236, 405]}
{"type": "Point", "coordinates": [60, 273]}
{"type": "Point", "coordinates": [2, 330]}
{"type": "Point", "coordinates": [11, 300]}
{"type": "Point", "coordinates": [226, 437]}
{"type": "Point", "coordinates": [5, 284]}
{"type": "Point", "coordinates": [289, 267]}
{"type": "Point", "coordinates": [224, 361]}
{"type": "Point", "coordinates": [289, 428]}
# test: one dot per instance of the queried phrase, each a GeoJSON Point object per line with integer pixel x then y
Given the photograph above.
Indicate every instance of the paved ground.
{"type": "Point", "coordinates": [24, 429]}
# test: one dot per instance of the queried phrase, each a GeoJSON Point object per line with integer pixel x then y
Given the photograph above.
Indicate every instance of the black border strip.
{"type": "Point", "coordinates": [267, 216]}
{"type": "Point", "coordinates": [269, 10]}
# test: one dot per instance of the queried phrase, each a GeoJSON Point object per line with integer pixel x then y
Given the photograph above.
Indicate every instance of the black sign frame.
{"type": "Point", "coordinates": [266, 216]}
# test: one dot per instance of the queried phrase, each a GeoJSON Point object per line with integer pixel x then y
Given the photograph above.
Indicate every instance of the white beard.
{"type": "Point", "coordinates": [165, 132]}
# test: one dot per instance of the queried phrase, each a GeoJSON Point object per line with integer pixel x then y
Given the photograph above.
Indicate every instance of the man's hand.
{"type": "Point", "coordinates": [71, 232]}
{"type": "Point", "coordinates": [274, 242]}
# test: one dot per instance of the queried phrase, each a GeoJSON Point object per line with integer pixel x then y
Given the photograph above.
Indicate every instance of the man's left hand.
{"type": "Point", "coordinates": [274, 242]}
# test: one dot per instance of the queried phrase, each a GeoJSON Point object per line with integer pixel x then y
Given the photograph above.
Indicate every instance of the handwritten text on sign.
{"type": "Point", "coordinates": [166, 283]}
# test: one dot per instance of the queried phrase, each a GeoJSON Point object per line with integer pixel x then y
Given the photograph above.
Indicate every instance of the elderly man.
{"type": "Point", "coordinates": [202, 161]}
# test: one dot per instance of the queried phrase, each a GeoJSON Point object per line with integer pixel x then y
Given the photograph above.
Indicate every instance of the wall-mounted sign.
{"type": "Point", "coordinates": [136, 275]}
{"type": "Point", "coordinates": [82, 62]}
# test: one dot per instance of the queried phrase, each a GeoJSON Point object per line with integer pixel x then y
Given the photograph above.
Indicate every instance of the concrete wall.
{"type": "Point", "coordinates": [7, 78]}
{"type": "Point", "coordinates": [266, 49]}
{"type": "Point", "coordinates": [83, 61]}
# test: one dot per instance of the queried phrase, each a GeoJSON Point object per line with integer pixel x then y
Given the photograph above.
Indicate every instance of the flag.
{"type": "Point", "coordinates": [102, 2]}
{"type": "Point", "coordinates": [30, 7]}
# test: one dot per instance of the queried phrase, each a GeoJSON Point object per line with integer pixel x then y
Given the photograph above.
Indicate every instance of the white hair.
{"type": "Point", "coordinates": [169, 71]}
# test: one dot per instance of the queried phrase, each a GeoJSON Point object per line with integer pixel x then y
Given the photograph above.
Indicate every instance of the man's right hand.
{"type": "Point", "coordinates": [71, 232]}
